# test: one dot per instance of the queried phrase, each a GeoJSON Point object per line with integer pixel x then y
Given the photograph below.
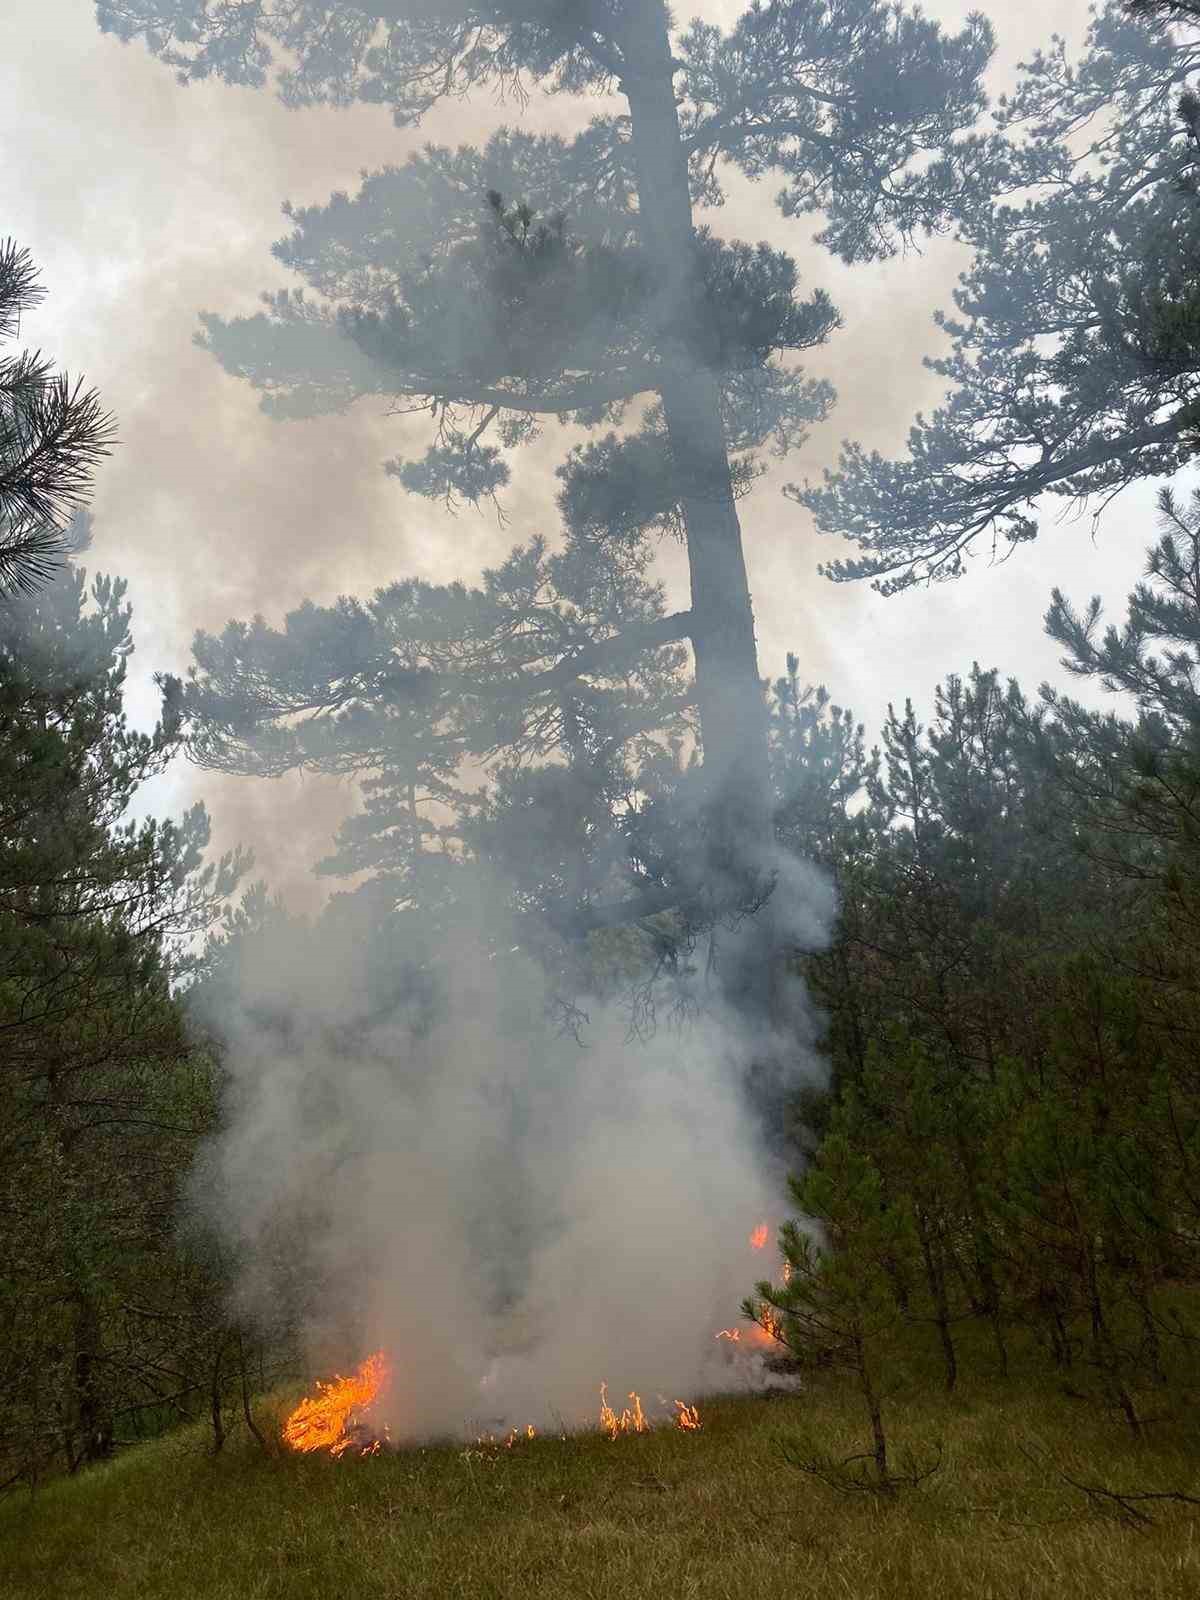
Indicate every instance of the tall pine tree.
{"type": "Point", "coordinates": [569, 278]}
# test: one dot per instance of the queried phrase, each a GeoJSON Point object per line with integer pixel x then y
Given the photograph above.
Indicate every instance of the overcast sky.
{"type": "Point", "coordinates": [144, 203]}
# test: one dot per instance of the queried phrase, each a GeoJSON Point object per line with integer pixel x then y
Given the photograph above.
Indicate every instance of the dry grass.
{"type": "Point", "coordinates": [717, 1514]}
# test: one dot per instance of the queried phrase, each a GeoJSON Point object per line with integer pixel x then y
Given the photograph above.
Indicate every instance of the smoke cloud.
{"type": "Point", "coordinates": [416, 1158]}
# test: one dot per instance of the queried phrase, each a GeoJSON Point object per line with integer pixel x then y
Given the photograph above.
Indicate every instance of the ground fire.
{"type": "Point", "coordinates": [631, 1420]}
{"type": "Point", "coordinates": [687, 1417]}
{"type": "Point", "coordinates": [337, 1419]}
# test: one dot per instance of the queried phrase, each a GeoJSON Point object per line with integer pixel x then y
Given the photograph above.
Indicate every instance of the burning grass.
{"type": "Point", "coordinates": [632, 1419]}
{"type": "Point", "coordinates": [708, 1514]}
{"type": "Point", "coordinates": [338, 1417]}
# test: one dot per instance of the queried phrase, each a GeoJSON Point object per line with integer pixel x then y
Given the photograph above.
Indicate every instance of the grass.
{"type": "Point", "coordinates": [693, 1517]}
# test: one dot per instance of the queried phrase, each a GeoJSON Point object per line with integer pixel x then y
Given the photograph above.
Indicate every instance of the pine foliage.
{"type": "Point", "coordinates": [53, 432]}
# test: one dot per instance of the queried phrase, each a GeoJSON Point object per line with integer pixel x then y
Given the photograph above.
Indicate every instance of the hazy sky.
{"type": "Point", "coordinates": [144, 203]}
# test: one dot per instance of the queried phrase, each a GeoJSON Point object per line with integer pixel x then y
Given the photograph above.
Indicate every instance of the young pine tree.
{"type": "Point", "coordinates": [838, 1304]}
{"type": "Point", "coordinates": [102, 1097]}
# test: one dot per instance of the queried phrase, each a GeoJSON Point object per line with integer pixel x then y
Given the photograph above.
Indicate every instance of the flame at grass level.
{"type": "Point", "coordinates": [687, 1417]}
{"type": "Point", "coordinates": [630, 1420]}
{"type": "Point", "coordinates": [323, 1421]}
{"type": "Point", "coordinates": [330, 1420]}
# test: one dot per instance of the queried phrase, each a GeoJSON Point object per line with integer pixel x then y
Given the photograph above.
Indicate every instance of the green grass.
{"type": "Point", "coordinates": [691, 1517]}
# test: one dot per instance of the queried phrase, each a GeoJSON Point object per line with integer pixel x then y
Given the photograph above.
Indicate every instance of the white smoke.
{"type": "Point", "coordinates": [513, 1215]}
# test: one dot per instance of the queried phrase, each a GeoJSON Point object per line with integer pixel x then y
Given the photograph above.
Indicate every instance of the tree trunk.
{"type": "Point", "coordinates": [935, 1273]}
{"type": "Point", "coordinates": [1106, 1357]}
{"type": "Point", "coordinates": [94, 1422]}
{"type": "Point", "coordinates": [214, 1397]}
{"type": "Point", "coordinates": [1049, 1300]}
{"type": "Point", "coordinates": [1140, 1293]}
{"type": "Point", "coordinates": [870, 1393]}
{"type": "Point", "coordinates": [247, 1411]}
{"type": "Point", "coordinates": [984, 1251]}
{"type": "Point", "coordinates": [733, 720]}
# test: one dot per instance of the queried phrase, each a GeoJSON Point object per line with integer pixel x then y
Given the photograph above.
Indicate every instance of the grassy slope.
{"type": "Point", "coordinates": [716, 1514]}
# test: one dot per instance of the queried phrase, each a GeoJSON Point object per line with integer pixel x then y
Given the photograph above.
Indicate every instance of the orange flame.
{"type": "Point", "coordinates": [768, 1322]}
{"type": "Point", "coordinates": [687, 1417]}
{"type": "Point", "coordinates": [759, 1237]}
{"type": "Point", "coordinates": [764, 1330]}
{"type": "Point", "coordinates": [320, 1421]}
{"type": "Point", "coordinates": [627, 1421]}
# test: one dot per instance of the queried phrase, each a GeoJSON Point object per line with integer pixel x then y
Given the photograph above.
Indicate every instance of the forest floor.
{"type": "Point", "coordinates": [724, 1513]}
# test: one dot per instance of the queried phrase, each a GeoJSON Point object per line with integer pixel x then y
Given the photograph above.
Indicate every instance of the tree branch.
{"type": "Point", "coordinates": [606, 653]}
{"type": "Point", "coordinates": [648, 902]}
{"type": "Point", "coordinates": [577, 394]}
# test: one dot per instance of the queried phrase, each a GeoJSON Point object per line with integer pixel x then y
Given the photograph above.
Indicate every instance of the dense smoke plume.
{"type": "Point", "coordinates": [415, 1157]}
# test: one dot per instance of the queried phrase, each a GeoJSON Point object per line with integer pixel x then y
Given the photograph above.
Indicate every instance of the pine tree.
{"type": "Point", "coordinates": [837, 1306]}
{"type": "Point", "coordinates": [52, 434]}
{"type": "Point", "coordinates": [549, 277]}
{"type": "Point", "coordinates": [1165, 10]}
{"type": "Point", "coordinates": [1132, 784]}
{"type": "Point", "coordinates": [102, 1096]}
{"type": "Point", "coordinates": [1076, 333]}
{"type": "Point", "coordinates": [1134, 781]}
